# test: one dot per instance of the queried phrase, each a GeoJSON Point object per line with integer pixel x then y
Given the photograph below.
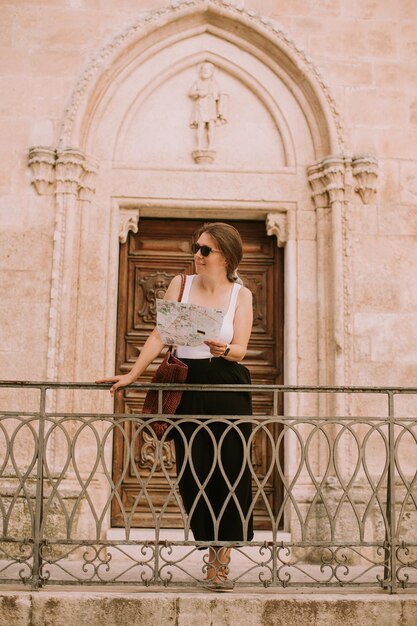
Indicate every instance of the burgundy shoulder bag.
{"type": "Point", "coordinates": [171, 370]}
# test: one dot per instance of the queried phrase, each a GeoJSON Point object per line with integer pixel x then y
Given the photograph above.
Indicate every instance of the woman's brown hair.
{"type": "Point", "coordinates": [229, 242]}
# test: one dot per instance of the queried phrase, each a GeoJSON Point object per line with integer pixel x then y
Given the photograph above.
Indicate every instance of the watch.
{"type": "Point", "coordinates": [227, 350]}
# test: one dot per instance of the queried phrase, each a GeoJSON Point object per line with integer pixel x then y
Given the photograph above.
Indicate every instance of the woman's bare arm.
{"type": "Point", "coordinates": [242, 326]}
{"type": "Point", "coordinates": [150, 350]}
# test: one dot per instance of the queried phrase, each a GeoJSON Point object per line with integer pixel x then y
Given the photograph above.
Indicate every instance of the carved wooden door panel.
{"type": "Point", "coordinates": [148, 262]}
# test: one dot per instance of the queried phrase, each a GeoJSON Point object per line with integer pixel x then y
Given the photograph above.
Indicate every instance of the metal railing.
{"type": "Point", "coordinates": [347, 515]}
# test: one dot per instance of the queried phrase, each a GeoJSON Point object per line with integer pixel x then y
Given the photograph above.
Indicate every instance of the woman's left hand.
{"type": "Point", "coordinates": [217, 348]}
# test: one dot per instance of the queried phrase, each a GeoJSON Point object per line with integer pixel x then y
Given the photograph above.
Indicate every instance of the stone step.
{"type": "Point", "coordinates": [105, 607]}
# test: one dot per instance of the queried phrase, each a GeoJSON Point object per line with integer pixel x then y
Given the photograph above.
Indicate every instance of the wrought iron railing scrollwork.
{"type": "Point", "coordinates": [347, 516]}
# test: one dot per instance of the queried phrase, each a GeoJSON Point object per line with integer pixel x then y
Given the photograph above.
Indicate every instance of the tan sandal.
{"type": "Point", "coordinates": [218, 581]}
{"type": "Point", "coordinates": [217, 574]}
{"type": "Point", "coordinates": [217, 570]}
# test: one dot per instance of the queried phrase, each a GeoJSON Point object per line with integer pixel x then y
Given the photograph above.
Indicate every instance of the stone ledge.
{"type": "Point", "coordinates": [75, 607]}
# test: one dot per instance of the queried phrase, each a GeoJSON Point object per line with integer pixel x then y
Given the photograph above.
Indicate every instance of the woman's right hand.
{"type": "Point", "coordinates": [119, 381]}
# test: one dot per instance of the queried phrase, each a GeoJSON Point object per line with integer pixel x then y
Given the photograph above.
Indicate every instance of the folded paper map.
{"type": "Point", "coordinates": [183, 324]}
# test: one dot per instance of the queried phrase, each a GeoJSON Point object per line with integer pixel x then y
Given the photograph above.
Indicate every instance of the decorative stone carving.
{"type": "Point", "coordinates": [209, 111]}
{"type": "Point", "coordinates": [153, 286]}
{"type": "Point", "coordinates": [128, 221]}
{"type": "Point", "coordinates": [365, 172]}
{"type": "Point", "coordinates": [334, 178]}
{"type": "Point", "coordinates": [331, 179]}
{"type": "Point", "coordinates": [42, 163]}
{"type": "Point", "coordinates": [87, 187]}
{"type": "Point", "coordinates": [318, 186]}
{"type": "Point", "coordinates": [204, 156]}
{"type": "Point", "coordinates": [276, 224]}
{"type": "Point", "coordinates": [68, 172]}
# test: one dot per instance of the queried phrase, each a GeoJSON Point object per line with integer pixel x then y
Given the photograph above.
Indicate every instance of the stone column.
{"type": "Point", "coordinates": [70, 175]}
{"type": "Point", "coordinates": [321, 201]}
{"type": "Point", "coordinates": [69, 170]}
{"type": "Point", "coordinates": [330, 183]}
{"type": "Point", "coordinates": [334, 172]}
{"type": "Point", "coordinates": [86, 192]}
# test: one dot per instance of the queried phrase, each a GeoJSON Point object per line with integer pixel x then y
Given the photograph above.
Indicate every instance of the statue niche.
{"type": "Point", "coordinates": [209, 111]}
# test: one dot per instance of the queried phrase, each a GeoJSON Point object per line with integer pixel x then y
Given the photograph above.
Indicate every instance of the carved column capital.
{"type": "Point", "coordinates": [365, 172]}
{"type": "Point", "coordinates": [331, 179]}
{"type": "Point", "coordinates": [69, 170]}
{"type": "Point", "coordinates": [42, 166]}
{"type": "Point", "coordinates": [276, 224]}
{"type": "Point", "coordinates": [128, 221]}
{"type": "Point", "coordinates": [87, 182]}
{"type": "Point", "coordinates": [335, 179]}
{"type": "Point", "coordinates": [317, 182]}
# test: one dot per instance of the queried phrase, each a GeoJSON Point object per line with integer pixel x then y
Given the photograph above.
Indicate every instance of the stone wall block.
{"type": "Point", "coordinates": [396, 144]}
{"type": "Point", "coordinates": [351, 72]}
{"type": "Point", "coordinates": [378, 108]}
{"type": "Point", "coordinates": [395, 75]}
{"type": "Point", "coordinates": [408, 182]}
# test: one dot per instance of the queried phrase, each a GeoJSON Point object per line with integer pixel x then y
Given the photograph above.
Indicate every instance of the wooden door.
{"type": "Point", "coordinates": [148, 262]}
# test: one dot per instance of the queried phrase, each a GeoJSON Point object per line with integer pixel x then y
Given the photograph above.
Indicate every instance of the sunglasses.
{"type": "Point", "coordinates": [205, 250]}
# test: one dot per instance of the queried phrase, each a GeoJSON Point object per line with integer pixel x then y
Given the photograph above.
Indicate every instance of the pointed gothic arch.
{"type": "Point", "coordinates": [253, 34]}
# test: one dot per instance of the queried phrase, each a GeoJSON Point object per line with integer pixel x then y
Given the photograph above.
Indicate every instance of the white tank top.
{"type": "Point", "coordinates": [226, 331]}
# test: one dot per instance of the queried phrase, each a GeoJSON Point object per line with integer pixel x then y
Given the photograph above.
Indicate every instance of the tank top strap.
{"type": "Point", "coordinates": [233, 299]}
{"type": "Point", "coordinates": [186, 293]}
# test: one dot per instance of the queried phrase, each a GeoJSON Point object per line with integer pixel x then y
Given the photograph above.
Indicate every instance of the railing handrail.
{"type": "Point", "coordinates": [253, 387]}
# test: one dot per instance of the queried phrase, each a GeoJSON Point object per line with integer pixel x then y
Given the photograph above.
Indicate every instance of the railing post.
{"type": "Point", "coordinates": [37, 538]}
{"type": "Point", "coordinates": [275, 548]}
{"type": "Point", "coordinates": [391, 550]}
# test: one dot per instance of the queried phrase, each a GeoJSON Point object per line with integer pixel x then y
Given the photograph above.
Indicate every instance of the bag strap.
{"type": "Point", "coordinates": [181, 288]}
{"type": "Point", "coordinates": [171, 348]}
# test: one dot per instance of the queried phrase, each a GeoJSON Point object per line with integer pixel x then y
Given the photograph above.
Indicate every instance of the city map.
{"type": "Point", "coordinates": [183, 324]}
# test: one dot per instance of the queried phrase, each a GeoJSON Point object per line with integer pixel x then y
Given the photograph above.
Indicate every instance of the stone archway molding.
{"type": "Point", "coordinates": [182, 19]}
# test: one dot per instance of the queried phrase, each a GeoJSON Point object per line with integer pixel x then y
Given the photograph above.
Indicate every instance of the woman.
{"type": "Point", "coordinates": [220, 511]}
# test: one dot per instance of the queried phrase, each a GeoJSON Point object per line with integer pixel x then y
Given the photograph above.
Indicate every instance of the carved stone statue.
{"type": "Point", "coordinates": [208, 112]}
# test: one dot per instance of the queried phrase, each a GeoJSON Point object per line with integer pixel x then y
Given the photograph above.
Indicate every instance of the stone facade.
{"type": "Point", "coordinates": [344, 77]}
{"type": "Point", "coordinates": [96, 132]}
